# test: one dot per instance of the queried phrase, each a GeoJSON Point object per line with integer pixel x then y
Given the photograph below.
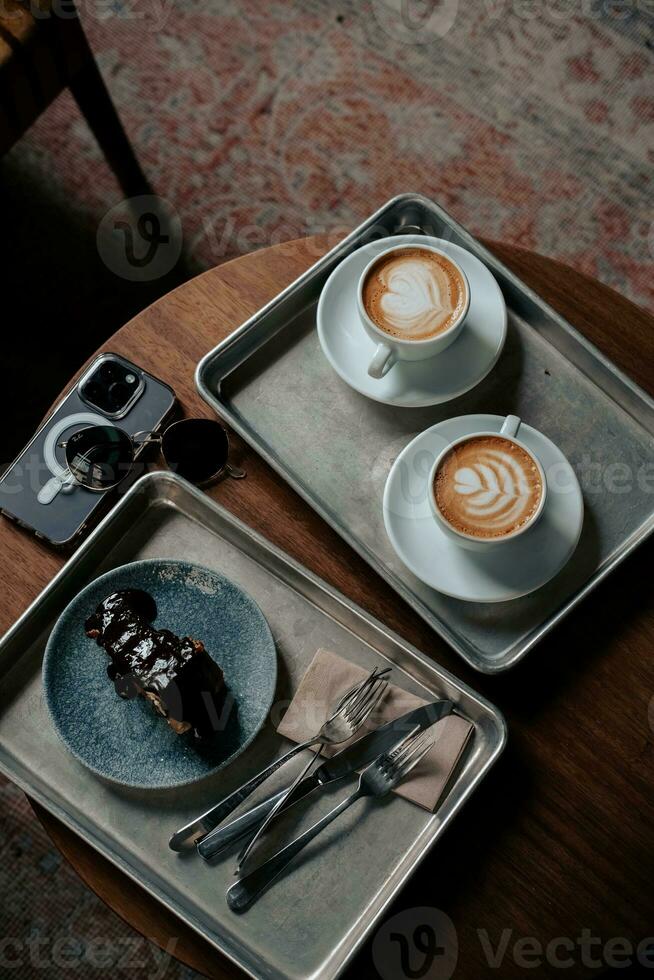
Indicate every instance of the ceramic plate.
{"type": "Point", "coordinates": [126, 741]}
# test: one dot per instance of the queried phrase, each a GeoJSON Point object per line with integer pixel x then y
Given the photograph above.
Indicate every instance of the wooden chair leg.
{"type": "Point", "coordinates": [93, 98]}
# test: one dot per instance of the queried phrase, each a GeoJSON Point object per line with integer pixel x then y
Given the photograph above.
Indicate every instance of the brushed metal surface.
{"type": "Point", "coordinates": [281, 938]}
{"type": "Point", "coordinates": [271, 382]}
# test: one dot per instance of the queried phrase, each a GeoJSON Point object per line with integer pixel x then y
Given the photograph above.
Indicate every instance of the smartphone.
{"type": "Point", "coordinates": [113, 391]}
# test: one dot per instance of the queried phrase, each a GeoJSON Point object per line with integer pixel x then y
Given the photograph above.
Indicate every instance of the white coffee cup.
{"type": "Point", "coordinates": [509, 432]}
{"type": "Point", "coordinates": [392, 349]}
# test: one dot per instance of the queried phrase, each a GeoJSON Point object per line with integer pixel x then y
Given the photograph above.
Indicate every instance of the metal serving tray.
{"type": "Point", "coordinates": [271, 382]}
{"type": "Point", "coordinates": [283, 937]}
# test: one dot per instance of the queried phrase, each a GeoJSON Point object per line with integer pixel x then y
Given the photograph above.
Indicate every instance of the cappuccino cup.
{"type": "Point", "coordinates": [487, 489]}
{"type": "Point", "coordinates": [412, 300]}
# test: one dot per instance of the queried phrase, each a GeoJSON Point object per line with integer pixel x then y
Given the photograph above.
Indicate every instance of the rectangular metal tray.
{"type": "Point", "coordinates": [271, 382]}
{"type": "Point", "coordinates": [288, 935]}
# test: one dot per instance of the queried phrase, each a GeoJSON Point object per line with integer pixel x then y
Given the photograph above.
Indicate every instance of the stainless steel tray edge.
{"type": "Point", "coordinates": [627, 395]}
{"type": "Point", "coordinates": [501, 272]}
{"type": "Point", "coordinates": [160, 489]}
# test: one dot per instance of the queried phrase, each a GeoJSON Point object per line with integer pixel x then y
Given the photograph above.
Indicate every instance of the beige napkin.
{"type": "Point", "coordinates": [329, 677]}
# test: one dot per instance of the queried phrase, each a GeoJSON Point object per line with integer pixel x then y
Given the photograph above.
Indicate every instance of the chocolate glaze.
{"type": "Point", "coordinates": [176, 673]}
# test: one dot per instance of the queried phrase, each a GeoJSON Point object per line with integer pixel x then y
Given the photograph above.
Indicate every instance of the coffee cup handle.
{"type": "Point", "coordinates": [383, 360]}
{"type": "Point", "coordinates": [510, 426]}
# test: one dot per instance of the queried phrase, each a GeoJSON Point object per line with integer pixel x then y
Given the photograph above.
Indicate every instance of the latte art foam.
{"type": "Point", "coordinates": [488, 487]}
{"type": "Point", "coordinates": [414, 294]}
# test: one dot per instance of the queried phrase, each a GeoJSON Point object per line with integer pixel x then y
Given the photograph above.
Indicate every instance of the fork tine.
{"type": "Point", "coordinates": [410, 744]}
{"type": "Point", "coordinates": [357, 719]}
{"type": "Point", "coordinates": [413, 762]}
{"type": "Point", "coordinates": [374, 678]}
{"type": "Point", "coordinates": [354, 703]}
{"type": "Point", "coordinates": [351, 696]}
{"type": "Point", "coordinates": [356, 693]}
{"type": "Point", "coordinates": [380, 685]}
{"type": "Point", "coordinates": [364, 695]}
{"type": "Point", "coordinates": [418, 745]}
{"type": "Point", "coordinates": [374, 675]}
{"type": "Point", "coordinates": [405, 741]}
{"type": "Point", "coordinates": [390, 761]}
{"type": "Point", "coordinates": [362, 709]}
{"type": "Point", "coordinates": [416, 742]}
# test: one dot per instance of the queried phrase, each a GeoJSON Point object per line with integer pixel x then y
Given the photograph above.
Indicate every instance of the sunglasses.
{"type": "Point", "coordinates": [98, 457]}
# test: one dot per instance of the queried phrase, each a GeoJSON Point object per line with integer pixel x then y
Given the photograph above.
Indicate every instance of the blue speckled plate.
{"type": "Point", "coordinates": [126, 741]}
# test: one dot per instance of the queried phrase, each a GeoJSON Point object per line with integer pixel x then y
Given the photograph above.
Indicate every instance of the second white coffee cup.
{"type": "Point", "coordinates": [391, 349]}
{"type": "Point", "coordinates": [509, 431]}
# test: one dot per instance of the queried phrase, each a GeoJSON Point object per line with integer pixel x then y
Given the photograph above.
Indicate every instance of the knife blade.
{"type": "Point", "coordinates": [345, 762]}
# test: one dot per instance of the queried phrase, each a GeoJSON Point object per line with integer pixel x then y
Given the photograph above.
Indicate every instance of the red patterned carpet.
{"type": "Point", "coordinates": [530, 123]}
{"type": "Point", "coordinates": [261, 122]}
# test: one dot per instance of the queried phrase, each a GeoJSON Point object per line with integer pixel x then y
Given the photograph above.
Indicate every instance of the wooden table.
{"type": "Point", "coordinates": [560, 837]}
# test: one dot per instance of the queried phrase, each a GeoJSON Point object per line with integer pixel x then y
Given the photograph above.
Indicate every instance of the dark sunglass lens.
{"type": "Point", "coordinates": [195, 448]}
{"type": "Point", "coordinates": [99, 456]}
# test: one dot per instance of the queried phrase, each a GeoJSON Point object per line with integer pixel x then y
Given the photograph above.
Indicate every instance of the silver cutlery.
{"type": "Point", "coordinates": [378, 779]}
{"type": "Point", "coordinates": [194, 831]}
{"type": "Point", "coordinates": [344, 763]}
{"type": "Point", "coordinates": [343, 724]}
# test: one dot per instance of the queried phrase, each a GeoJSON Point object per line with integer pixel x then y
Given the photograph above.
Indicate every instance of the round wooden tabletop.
{"type": "Point", "coordinates": [559, 839]}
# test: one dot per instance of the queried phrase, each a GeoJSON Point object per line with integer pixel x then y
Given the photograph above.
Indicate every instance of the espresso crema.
{"type": "Point", "coordinates": [488, 487]}
{"type": "Point", "coordinates": [414, 294]}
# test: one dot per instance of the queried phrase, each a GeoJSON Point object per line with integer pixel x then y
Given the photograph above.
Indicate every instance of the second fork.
{"type": "Point", "coordinates": [378, 779]}
{"type": "Point", "coordinates": [351, 713]}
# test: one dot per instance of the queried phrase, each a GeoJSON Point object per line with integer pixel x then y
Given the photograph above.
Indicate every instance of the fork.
{"type": "Point", "coordinates": [351, 713]}
{"type": "Point", "coordinates": [195, 831]}
{"type": "Point", "coordinates": [378, 779]}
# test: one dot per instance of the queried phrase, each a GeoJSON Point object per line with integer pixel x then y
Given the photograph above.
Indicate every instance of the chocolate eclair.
{"type": "Point", "coordinates": [176, 674]}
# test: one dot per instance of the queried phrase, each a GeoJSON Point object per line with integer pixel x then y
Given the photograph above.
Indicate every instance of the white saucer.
{"type": "Point", "coordinates": [506, 572]}
{"type": "Point", "coordinates": [349, 349]}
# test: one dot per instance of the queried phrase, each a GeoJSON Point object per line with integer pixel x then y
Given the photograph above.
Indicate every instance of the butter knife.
{"type": "Point", "coordinates": [345, 762]}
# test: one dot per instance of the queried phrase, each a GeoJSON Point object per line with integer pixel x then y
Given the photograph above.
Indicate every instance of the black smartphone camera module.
{"type": "Point", "coordinates": [112, 388]}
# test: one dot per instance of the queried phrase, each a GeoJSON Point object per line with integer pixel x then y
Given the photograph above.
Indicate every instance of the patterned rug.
{"type": "Point", "coordinates": [530, 122]}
